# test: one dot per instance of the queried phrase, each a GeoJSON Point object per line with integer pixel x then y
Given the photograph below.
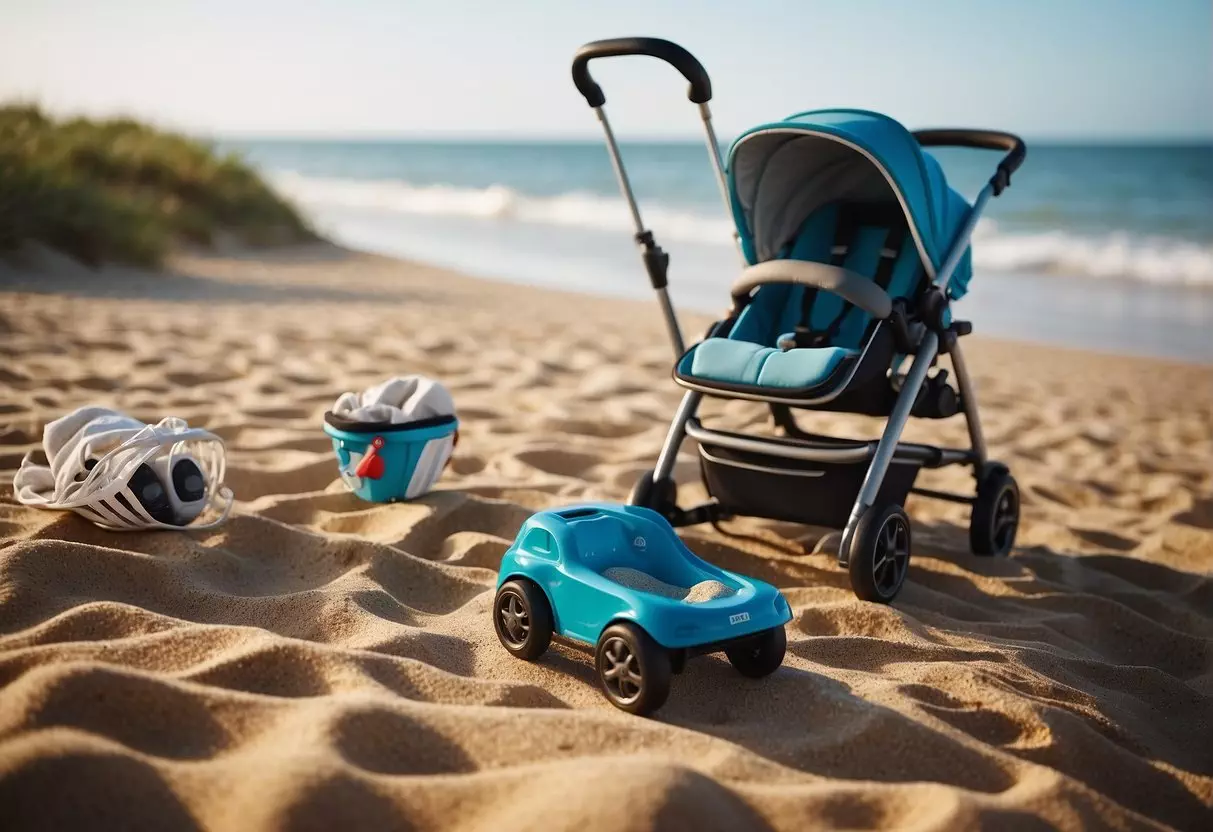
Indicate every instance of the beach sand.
{"type": "Point", "coordinates": [323, 663]}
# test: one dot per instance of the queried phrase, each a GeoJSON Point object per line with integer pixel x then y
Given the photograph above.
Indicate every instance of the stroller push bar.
{"type": "Point", "coordinates": [981, 140]}
{"type": "Point", "coordinates": [700, 91]}
{"type": "Point", "coordinates": [656, 261]}
{"type": "Point", "coordinates": [978, 140]}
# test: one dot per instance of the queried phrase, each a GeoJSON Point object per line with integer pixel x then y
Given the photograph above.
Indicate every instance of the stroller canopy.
{"type": "Point", "coordinates": [781, 173]}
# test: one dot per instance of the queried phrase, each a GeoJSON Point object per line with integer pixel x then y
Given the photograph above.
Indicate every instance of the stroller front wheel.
{"type": "Point", "coordinates": [880, 553]}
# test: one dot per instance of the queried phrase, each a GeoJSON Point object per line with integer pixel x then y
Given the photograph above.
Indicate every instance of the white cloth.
{"type": "Point", "coordinates": [397, 400]}
{"type": "Point", "coordinates": [68, 441]}
{"type": "Point", "coordinates": [117, 445]}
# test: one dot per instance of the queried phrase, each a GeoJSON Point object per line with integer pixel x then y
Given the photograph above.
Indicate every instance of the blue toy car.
{"type": "Point", "coordinates": [619, 578]}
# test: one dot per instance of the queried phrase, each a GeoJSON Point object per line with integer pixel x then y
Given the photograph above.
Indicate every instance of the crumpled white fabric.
{"type": "Point", "coordinates": [399, 399]}
{"type": "Point", "coordinates": [118, 444]}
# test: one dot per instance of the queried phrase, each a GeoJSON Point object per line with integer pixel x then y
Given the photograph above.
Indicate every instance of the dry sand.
{"type": "Point", "coordinates": [323, 663]}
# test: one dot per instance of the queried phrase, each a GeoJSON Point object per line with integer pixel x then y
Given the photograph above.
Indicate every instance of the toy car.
{"type": "Point", "coordinates": [619, 578]}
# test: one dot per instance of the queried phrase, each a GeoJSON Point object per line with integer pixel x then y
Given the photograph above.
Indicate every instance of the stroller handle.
{"type": "Point", "coordinates": [981, 140]}
{"type": "Point", "coordinates": [700, 91]}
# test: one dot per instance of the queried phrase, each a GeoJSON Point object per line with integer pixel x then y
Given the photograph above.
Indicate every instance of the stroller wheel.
{"type": "Point", "coordinates": [880, 553]}
{"type": "Point", "coordinates": [995, 517]}
{"type": "Point", "coordinates": [661, 496]}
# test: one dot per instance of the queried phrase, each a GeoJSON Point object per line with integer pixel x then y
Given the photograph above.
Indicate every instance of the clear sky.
{"type": "Point", "coordinates": [1045, 68]}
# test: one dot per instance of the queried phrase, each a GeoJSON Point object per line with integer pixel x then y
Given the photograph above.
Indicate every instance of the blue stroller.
{"type": "Point", "coordinates": [854, 248]}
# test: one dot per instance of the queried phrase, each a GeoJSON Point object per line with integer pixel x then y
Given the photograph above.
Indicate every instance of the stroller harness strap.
{"type": "Point", "coordinates": [851, 221]}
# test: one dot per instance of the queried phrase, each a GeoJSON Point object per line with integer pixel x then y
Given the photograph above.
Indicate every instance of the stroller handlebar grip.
{"type": "Point", "coordinates": [1014, 147]}
{"type": "Point", "coordinates": [700, 91]}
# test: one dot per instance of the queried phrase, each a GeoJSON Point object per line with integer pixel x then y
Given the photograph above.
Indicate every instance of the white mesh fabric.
{"type": "Point", "coordinates": [117, 445]}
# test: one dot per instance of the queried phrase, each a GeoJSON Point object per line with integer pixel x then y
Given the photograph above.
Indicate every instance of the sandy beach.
{"type": "Point", "coordinates": [325, 663]}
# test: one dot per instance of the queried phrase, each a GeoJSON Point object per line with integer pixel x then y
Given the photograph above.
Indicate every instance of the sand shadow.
{"type": "Point", "coordinates": [820, 713]}
{"type": "Point", "coordinates": [79, 789]}
{"type": "Point", "coordinates": [343, 801]}
{"type": "Point", "coordinates": [1110, 643]}
{"type": "Point", "coordinates": [379, 740]}
{"type": "Point", "coordinates": [1104, 638]}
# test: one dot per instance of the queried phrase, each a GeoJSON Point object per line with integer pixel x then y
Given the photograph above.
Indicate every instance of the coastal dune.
{"type": "Point", "coordinates": [320, 662]}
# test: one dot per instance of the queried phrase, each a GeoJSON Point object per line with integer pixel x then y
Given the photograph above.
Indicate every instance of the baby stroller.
{"type": "Point", "coordinates": [854, 248]}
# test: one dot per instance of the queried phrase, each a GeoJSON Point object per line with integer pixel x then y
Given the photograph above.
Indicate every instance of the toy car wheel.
{"type": "Point", "coordinates": [661, 496]}
{"type": "Point", "coordinates": [880, 553]}
{"type": "Point", "coordinates": [523, 619]}
{"type": "Point", "coordinates": [995, 517]}
{"type": "Point", "coordinates": [633, 669]}
{"type": "Point", "coordinates": [760, 655]}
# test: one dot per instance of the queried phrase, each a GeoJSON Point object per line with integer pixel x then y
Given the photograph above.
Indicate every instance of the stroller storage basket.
{"type": "Point", "coordinates": [756, 484]}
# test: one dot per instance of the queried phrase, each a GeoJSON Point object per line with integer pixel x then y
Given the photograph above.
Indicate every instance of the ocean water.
{"type": "Point", "coordinates": [1105, 247]}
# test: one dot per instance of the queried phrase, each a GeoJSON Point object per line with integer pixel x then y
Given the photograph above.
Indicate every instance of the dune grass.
{"type": "Point", "coordinates": [121, 191]}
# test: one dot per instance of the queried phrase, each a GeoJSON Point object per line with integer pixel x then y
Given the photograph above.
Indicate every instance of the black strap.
{"type": "Point", "coordinates": [889, 255]}
{"type": "Point", "coordinates": [836, 325]}
{"type": "Point", "coordinates": [846, 231]}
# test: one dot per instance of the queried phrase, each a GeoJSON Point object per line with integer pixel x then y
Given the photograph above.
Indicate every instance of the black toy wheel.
{"type": "Point", "coordinates": [523, 619]}
{"type": "Point", "coordinates": [633, 669]}
{"type": "Point", "coordinates": [660, 496]}
{"type": "Point", "coordinates": [880, 553]}
{"type": "Point", "coordinates": [995, 517]}
{"type": "Point", "coordinates": [761, 655]}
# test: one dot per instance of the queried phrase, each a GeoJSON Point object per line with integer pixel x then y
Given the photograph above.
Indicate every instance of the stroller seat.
{"type": "Point", "coordinates": [736, 363]}
{"type": "Point", "coordinates": [800, 342]}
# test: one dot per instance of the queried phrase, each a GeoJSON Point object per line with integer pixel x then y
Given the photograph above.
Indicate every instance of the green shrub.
{"type": "Point", "coordinates": [121, 191]}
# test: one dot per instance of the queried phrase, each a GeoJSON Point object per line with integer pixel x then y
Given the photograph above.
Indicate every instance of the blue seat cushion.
{"type": "Point", "coordinates": [747, 364]}
{"type": "Point", "coordinates": [749, 357]}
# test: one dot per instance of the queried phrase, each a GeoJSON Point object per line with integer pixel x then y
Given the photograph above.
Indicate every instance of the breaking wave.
{"type": "Point", "coordinates": [1118, 255]}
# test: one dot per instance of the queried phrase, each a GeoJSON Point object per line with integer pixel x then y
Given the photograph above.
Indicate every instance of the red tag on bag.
{"type": "Point", "coordinates": [371, 466]}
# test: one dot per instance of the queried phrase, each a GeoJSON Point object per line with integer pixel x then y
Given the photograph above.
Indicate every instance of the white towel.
{"type": "Point", "coordinates": [397, 400]}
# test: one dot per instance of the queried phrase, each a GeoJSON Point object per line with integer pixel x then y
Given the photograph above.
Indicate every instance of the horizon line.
{"type": "Point", "coordinates": [470, 137]}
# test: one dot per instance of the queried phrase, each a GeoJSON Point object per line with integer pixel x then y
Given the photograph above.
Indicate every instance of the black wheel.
{"type": "Point", "coordinates": [880, 553]}
{"type": "Point", "coordinates": [633, 669]}
{"type": "Point", "coordinates": [995, 517]}
{"type": "Point", "coordinates": [661, 496]}
{"type": "Point", "coordinates": [760, 655]}
{"type": "Point", "coordinates": [522, 618]}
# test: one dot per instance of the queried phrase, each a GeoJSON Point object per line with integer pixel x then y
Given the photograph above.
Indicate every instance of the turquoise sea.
{"type": "Point", "coordinates": [1106, 247]}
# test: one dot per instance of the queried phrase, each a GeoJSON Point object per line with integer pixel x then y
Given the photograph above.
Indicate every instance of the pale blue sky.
{"type": "Point", "coordinates": [1045, 68]}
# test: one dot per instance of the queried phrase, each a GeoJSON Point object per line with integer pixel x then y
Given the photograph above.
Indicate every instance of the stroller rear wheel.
{"type": "Point", "coordinates": [880, 553]}
{"type": "Point", "coordinates": [661, 496]}
{"type": "Point", "coordinates": [995, 517]}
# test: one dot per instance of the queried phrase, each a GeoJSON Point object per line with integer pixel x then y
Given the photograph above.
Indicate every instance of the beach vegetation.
{"type": "Point", "coordinates": [122, 191]}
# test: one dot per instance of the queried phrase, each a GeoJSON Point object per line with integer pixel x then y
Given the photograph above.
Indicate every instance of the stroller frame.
{"type": "Point", "coordinates": [996, 498]}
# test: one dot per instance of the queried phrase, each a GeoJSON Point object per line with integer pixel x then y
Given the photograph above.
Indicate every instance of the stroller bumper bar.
{"type": "Point", "coordinates": [851, 287]}
{"type": "Point", "coordinates": [828, 449]}
{"type": "Point", "coordinates": [700, 91]}
{"type": "Point", "coordinates": [981, 140]}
